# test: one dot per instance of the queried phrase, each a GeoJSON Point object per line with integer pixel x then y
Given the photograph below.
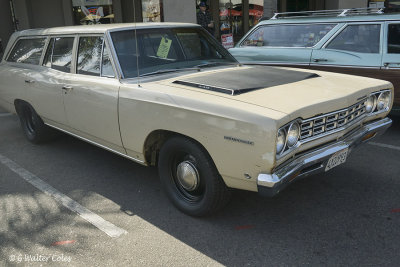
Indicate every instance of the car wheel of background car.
{"type": "Point", "coordinates": [190, 178]}
{"type": "Point", "coordinates": [32, 125]}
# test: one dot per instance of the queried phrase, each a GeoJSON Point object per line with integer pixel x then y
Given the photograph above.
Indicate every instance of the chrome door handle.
{"type": "Point", "coordinates": [387, 64]}
{"type": "Point", "coordinates": [67, 87]}
{"type": "Point", "coordinates": [320, 60]}
{"type": "Point", "coordinates": [29, 81]}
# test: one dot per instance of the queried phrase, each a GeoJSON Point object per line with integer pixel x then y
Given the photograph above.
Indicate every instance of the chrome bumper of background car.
{"type": "Point", "coordinates": [315, 161]}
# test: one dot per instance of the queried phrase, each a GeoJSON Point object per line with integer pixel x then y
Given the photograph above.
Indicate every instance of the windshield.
{"type": "Point", "coordinates": [167, 49]}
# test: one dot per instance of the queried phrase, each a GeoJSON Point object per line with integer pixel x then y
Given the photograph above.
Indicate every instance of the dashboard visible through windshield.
{"type": "Point", "coordinates": [167, 49]}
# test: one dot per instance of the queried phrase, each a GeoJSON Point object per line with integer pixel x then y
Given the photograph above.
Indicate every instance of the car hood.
{"type": "Point", "coordinates": [288, 90]}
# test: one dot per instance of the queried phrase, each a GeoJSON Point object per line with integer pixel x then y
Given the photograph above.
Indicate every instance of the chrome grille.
{"type": "Point", "coordinates": [329, 122]}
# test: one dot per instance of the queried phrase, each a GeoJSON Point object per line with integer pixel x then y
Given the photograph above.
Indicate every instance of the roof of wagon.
{"type": "Point", "coordinates": [333, 19]}
{"type": "Point", "coordinates": [101, 28]}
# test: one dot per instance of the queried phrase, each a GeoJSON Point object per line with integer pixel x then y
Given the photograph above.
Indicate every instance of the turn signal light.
{"type": "Point", "coordinates": [368, 136]}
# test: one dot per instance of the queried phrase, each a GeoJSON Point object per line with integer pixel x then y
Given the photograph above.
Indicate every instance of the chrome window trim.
{"type": "Point", "coordinates": [107, 46]}
{"type": "Point", "coordinates": [101, 57]}
{"type": "Point", "coordinates": [47, 47]}
{"type": "Point", "coordinates": [44, 50]}
{"type": "Point", "coordinates": [113, 53]}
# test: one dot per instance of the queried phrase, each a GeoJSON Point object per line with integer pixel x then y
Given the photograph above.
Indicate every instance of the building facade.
{"type": "Point", "coordinates": [230, 17]}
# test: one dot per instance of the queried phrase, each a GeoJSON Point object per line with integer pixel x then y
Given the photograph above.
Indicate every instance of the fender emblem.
{"type": "Point", "coordinates": [237, 140]}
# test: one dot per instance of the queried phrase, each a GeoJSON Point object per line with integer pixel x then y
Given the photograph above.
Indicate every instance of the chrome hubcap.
{"type": "Point", "coordinates": [188, 176]}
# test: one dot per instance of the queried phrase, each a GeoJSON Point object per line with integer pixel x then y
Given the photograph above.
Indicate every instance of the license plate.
{"type": "Point", "coordinates": [337, 159]}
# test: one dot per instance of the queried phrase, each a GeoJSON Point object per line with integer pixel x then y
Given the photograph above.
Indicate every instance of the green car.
{"type": "Point", "coordinates": [364, 42]}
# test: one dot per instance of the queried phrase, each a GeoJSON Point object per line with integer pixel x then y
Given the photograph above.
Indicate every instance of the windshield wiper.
{"type": "Point", "coordinates": [212, 64]}
{"type": "Point", "coordinates": [167, 71]}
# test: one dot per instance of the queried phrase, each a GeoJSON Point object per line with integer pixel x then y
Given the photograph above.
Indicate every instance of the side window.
{"type": "Point", "coordinates": [288, 35]}
{"type": "Point", "coordinates": [106, 65]}
{"type": "Point", "coordinates": [27, 51]}
{"type": "Point", "coordinates": [59, 54]}
{"type": "Point", "coordinates": [358, 38]}
{"type": "Point", "coordinates": [394, 39]}
{"type": "Point", "coordinates": [89, 55]}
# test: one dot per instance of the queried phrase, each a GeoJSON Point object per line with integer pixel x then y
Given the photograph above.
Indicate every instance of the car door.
{"type": "Point", "coordinates": [91, 93]}
{"type": "Point", "coordinates": [46, 82]}
{"type": "Point", "coordinates": [354, 49]}
{"type": "Point", "coordinates": [281, 44]}
{"type": "Point", "coordinates": [391, 59]}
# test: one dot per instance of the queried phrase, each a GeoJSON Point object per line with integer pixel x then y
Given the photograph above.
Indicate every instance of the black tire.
{"type": "Point", "coordinates": [32, 125]}
{"type": "Point", "coordinates": [210, 192]}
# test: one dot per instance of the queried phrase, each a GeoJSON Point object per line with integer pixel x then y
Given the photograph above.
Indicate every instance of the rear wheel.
{"type": "Point", "coordinates": [32, 125]}
{"type": "Point", "coordinates": [190, 178]}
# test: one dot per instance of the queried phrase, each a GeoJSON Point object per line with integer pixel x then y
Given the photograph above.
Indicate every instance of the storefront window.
{"type": "Point", "coordinates": [390, 6]}
{"type": "Point", "coordinates": [256, 12]}
{"type": "Point", "coordinates": [230, 21]}
{"type": "Point", "coordinates": [152, 10]}
{"type": "Point", "coordinates": [381, 3]}
{"type": "Point", "coordinates": [231, 17]}
{"type": "Point", "coordinates": [92, 12]}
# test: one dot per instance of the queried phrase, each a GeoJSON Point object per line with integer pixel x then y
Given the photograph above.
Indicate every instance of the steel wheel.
{"type": "Point", "coordinates": [190, 178]}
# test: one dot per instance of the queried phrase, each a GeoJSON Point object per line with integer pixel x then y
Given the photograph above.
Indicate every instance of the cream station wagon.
{"type": "Point", "coordinates": [168, 95]}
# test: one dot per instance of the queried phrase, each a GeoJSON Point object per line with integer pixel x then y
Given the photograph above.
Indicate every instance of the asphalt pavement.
{"type": "Point", "coordinates": [347, 216]}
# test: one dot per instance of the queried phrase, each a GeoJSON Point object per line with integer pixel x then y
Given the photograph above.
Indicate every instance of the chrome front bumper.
{"type": "Point", "coordinates": [315, 161]}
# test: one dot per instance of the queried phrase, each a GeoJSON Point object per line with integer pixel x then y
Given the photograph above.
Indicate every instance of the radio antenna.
{"type": "Point", "coordinates": [136, 44]}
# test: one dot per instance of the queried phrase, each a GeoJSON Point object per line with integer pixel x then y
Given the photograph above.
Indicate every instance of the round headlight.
{"type": "Point", "coordinates": [370, 104]}
{"type": "Point", "coordinates": [383, 101]}
{"type": "Point", "coordinates": [280, 141]}
{"type": "Point", "coordinates": [293, 134]}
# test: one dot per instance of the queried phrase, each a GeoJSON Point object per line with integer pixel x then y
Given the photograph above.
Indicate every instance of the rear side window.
{"type": "Point", "coordinates": [394, 39]}
{"type": "Point", "coordinates": [358, 38]}
{"type": "Point", "coordinates": [59, 54]}
{"type": "Point", "coordinates": [89, 55]}
{"type": "Point", "coordinates": [288, 35]}
{"type": "Point", "coordinates": [27, 51]}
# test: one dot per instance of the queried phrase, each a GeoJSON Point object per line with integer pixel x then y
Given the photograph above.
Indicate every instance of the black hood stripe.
{"type": "Point", "coordinates": [239, 81]}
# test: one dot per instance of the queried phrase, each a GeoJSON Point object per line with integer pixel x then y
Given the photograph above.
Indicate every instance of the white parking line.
{"type": "Point", "coordinates": [5, 114]}
{"type": "Point", "coordinates": [105, 226]}
{"type": "Point", "coordinates": [384, 145]}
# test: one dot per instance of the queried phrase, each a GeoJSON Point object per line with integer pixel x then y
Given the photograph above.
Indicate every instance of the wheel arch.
{"type": "Point", "coordinates": [157, 138]}
{"type": "Point", "coordinates": [18, 104]}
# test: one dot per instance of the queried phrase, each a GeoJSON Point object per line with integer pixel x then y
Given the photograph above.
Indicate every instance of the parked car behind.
{"type": "Point", "coordinates": [168, 95]}
{"type": "Point", "coordinates": [362, 42]}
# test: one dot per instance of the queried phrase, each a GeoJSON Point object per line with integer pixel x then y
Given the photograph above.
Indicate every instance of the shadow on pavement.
{"type": "Point", "coordinates": [340, 217]}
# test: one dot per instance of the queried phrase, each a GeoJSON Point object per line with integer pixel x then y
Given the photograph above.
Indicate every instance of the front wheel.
{"type": "Point", "coordinates": [190, 178]}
